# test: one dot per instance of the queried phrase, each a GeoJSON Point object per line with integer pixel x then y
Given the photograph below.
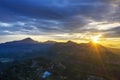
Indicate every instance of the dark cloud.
{"type": "Point", "coordinates": [37, 17]}
{"type": "Point", "coordinates": [57, 9]}
{"type": "Point", "coordinates": [113, 32]}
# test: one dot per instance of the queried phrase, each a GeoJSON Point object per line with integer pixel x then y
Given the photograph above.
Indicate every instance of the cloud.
{"type": "Point", "coordinates": [113, 32]}
{"type": "Point", "coordinates": [50, 17]}
{"type": "Point", "coordinates": [57, 9]}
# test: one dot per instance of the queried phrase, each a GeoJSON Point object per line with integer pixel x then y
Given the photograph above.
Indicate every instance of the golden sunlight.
{"type": "Point", "coordinates": [95, 39]}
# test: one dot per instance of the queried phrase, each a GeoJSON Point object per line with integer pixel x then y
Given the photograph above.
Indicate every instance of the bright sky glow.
{"type": "Point", "coordinates": [95, 38]}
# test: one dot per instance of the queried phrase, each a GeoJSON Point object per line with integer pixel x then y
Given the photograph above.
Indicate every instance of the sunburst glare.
{"type": "Point", "coordinates": [95, 39]}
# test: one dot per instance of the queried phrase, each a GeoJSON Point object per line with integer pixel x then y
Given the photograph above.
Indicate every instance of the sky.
{"type": "Point", "coordinates": [60, 20]}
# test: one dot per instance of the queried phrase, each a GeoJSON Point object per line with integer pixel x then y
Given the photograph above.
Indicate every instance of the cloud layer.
{"type": "Point", "coordinates": [55, 17]}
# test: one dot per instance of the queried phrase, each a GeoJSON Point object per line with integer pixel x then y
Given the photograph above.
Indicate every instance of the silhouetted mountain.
{"type": "Point", "coordinates": [86, 51]}
{"type": "Point", "coordinates": [23, 48]}
{"type": "Point", "coordinates": [70, 42]}
{"type": "Point", "coordinates": [49, 42]}
{"type": "Point", "coordinates": [68, 60]}
{"type": "Point", "coordinates": [30, 48]}
{"type": "Point", "coordinates": [21, 42]}
{"type": "Point", "coordinates": [28, 40]}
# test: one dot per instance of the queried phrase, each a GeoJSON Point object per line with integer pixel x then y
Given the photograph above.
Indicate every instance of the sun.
{"type": "Point", "coordinates": [95, 39]}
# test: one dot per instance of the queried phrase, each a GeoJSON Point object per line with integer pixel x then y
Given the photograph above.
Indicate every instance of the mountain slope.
{"type": "Point", "coordinates": [85, 51]}
{"type": "Point", "coordinates": [30, 48]}
{"type": "Point", "coordinates": [23, 48]}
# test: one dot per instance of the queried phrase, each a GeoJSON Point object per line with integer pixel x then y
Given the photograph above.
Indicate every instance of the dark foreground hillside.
{"type": "Point", "coordinates": [44, 69]}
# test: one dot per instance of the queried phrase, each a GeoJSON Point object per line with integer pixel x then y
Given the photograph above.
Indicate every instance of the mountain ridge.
{"type": "Point", "coordinates": [28, 46]}
{"type": "Point", "coordinates": [86, 57]}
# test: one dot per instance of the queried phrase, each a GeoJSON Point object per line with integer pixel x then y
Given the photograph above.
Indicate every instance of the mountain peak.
{"type": "Point", "coordinates": [50, 42]}
{"type": "Point", "coordinates": [70, 42]}
{"type": "Point", "coordinates": [28, 39]}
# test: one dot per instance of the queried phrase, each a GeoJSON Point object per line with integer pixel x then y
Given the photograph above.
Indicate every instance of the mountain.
{"type": "Point", "coordinates": [23, 48]}
{"type": "Point", "coordinates": [26, 41]}
{"type": "Point", "coordinates": [86, 51]}
{"type": "Point", "coordinates": [49, 42]}
{"type": "Point", "coordinates": [64, 61]}
{"type": "Point", "coordinates": [30, 48]}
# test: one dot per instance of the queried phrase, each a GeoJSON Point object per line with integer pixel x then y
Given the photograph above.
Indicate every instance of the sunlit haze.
{"type": "Point", "coordinates": [95, 39]}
